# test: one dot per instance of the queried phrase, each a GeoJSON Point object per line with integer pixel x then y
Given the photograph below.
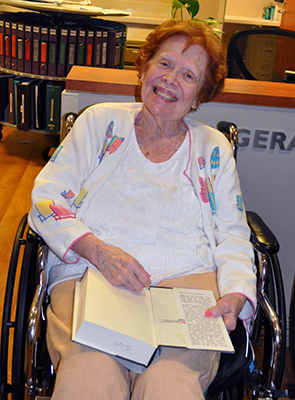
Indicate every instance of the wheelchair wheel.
{"type": "Point", "coordinates": [25, 287]}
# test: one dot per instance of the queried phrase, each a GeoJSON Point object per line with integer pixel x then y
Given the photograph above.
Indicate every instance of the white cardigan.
{"type": "Point", "coordinates": [87, 158]}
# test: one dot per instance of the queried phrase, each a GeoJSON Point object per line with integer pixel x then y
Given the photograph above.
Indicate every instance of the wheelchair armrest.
{"type": "Point", "coordinates": [262, 237]}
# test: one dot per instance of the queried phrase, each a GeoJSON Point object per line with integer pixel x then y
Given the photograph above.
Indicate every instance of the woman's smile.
{"type": "Point", "coordinates": [164, 95]}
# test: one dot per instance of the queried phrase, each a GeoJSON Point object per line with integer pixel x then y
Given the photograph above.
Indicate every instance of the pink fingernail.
{"type": "Point", "coordinates": [208, 313]}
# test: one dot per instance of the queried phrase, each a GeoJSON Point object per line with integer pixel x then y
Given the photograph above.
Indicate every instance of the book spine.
{"type": "Point", "coordinates": [72, 49]}
{"type": "Point", "coordinates": [28, 49]}
{"type": "Point", "coordinates": [89, 48]}
{"type": "Point", "coordinates": [4, 98]}
{"type": "Point", "coordinates": [80, 60]}
{"type": "Point", "coordinates": [36, 50]}
{"type": "Point", "coordinates": [2, 46]}
{"type": "Point", "coordinates": [52, 52]}
{"type": "Point", "coordinates": [11, 102]}
{"type": "Point", "coordinates": [62, 54]}
{"type": "Point", "coordinates": [20, 47]}
{"type": "Point", "coordinates": [13, 46]}
{"type": "Point", "coordinates": [7, 41]}
{"type": "Point", "coordinates": [23, 106]}
{"type": "Point", "coordinates": [117, 48]}
{"type": "Point", "coordinates": [111, 52]}
{"type": "Point", "coordinates": [97, 48]}
{"type": "Point", "coordinates": [53, 102]}
{"type": "Point", "coordinates": [122, 49]}
{"type": "Point", "coordinates": [44, 51]}
{"type": "Point", "coordinates": [104, 49]}
{"type": "Point", "coordinates": [38, 102]}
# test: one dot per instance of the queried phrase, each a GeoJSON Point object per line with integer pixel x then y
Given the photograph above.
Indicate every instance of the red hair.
{"type": "Point", "coordinates": [197, 33]}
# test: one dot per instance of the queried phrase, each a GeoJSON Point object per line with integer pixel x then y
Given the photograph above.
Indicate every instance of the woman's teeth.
{"type": "Point", "coordinates": [164, 96]}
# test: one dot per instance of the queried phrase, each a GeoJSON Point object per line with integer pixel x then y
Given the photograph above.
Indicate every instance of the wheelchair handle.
{"type": "Point", "coordinates": [230, 130]}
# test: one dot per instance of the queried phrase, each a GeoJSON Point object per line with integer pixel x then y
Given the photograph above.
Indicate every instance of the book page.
{"type": "Point", "coordinates": [166, 317]}
{"type": "Point", "coordinates": [201, 332]}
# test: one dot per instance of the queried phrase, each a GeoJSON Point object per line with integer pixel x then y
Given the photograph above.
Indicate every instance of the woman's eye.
{"type": "Point", "coordinates": [189, 76]}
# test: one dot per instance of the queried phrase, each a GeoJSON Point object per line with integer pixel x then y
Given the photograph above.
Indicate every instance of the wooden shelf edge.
{"type": "Point", "coordinates": [27, 75]}
{"type": "Point", "coordinates": [236, 91]}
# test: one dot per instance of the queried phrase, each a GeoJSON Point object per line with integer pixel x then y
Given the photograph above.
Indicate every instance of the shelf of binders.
{"type": "Point", "coordinates": [36, 53]}
{"type": "Point", "coordinates": [30, 103]}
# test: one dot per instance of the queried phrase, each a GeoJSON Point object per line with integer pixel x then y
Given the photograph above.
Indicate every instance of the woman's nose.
{"type": "Point", "coordinates": [171, 77]}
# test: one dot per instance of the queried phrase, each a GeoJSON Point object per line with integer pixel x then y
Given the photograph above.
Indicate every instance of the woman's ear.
{"type": "Point", "coordinates": [195, 104]}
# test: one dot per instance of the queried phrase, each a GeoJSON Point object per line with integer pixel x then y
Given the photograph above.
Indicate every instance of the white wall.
{"type": "Point", "coordinates": [248, 10]}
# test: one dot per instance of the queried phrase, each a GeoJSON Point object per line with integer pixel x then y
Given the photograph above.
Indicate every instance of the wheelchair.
{"type": "Point", "coordinates": [28, 373]}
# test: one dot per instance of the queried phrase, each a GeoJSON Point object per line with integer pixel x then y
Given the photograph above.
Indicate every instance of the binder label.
{"type": "Point", "coordinates": [43, 52]}
{"type": "Point", "coordinates": [27, 50]}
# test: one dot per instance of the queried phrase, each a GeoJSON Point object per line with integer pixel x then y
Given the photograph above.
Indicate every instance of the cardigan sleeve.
{"type": "Point", "coordinates": [236, 272]}
{"type": "Point", "coordinates": [59, 190]}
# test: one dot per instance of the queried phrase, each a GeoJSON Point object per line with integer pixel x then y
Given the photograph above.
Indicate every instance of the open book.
{"type": "Point", "coordinates": [132, 325]}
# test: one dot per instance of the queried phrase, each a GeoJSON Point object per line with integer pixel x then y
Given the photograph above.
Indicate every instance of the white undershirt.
{"type": "Point", "coordinates": [151, 211]}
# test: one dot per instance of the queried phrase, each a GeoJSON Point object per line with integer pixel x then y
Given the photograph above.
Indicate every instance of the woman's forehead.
{"type": "Point", "coordinates": [177, 45]}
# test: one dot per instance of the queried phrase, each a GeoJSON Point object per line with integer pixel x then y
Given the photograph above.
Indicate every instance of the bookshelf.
{"type": "Point", "coordinates": [39, 44]}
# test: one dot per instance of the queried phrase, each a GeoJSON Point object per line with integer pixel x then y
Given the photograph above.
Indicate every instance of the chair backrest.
{"type": "Point", "coordinates": [262, 54]}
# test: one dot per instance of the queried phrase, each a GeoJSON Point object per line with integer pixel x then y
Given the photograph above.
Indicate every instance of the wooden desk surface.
{"type": "Point", "coordinates": [236, 91]}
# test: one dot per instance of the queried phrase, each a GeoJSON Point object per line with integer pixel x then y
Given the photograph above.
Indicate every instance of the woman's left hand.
{"type": "Point", "coordinates": [229, 307]}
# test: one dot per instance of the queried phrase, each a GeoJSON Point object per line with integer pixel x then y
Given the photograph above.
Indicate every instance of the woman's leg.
{"type": "Point", "coordinates": [81, 371]}
{"type": "Point", "coordinates": [177, 374]}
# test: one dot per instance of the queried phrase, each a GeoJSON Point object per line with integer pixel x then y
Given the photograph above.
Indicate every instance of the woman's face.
{"type": "Point", "coordinates": [170, 87]}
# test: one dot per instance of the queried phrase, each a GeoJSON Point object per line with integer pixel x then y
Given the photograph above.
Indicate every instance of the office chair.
{"type": "Point", "coordinates": [262, 54]}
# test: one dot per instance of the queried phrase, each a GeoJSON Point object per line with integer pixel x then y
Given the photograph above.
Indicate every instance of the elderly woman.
{"type": "Point", "coordinates": [147, 196]}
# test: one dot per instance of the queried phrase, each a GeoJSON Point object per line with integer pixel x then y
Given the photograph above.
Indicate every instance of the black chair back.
{"type": "Point", "coordinates": [263, 54]}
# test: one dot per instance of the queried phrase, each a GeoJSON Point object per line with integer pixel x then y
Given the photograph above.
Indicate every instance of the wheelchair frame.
{"type": "Point", "coordinates": [30, 381]}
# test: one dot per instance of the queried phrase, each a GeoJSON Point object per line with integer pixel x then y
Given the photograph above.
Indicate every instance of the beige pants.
{"type": "Point", "coordinates": [84, 373]}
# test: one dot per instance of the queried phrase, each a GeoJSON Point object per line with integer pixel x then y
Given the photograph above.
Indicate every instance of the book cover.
{"type": "Point", "coordinates": [28, 49]}
{"type": "Point", "coordinates": [62, 52]}
{"type": "Point", "coordinates": [7, 41]}
{"type": "Point", "coordinates": [13, 65]}
{"type": "Point", "coordinates": [36, 49]}
{"type": "Point", "coordinates": [71, 49]}
{"type": "Point", "coordinates": [53, 104]}
{"type": "Point", "coordinates": [23, 108]}
{"type": "Point", "coordinates": [131, 325]}
{"type": "Point", "coordinates": [89, 48]}
{"type": "Point", "coordinates": [44, 51]}
{"type": "Point", "coordinates": [52, 70]}
{"type": "Point", "coordinates": [97, 48]}
{"type": "Point", "coordinates": [20, 46]}
{"type": "Point", "coordinates": [2, 45]}
{"type": "Point", "coordinates": [80, 51]}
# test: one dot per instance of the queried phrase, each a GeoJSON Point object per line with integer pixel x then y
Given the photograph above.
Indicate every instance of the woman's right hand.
{"type": "Point", "coordinates": [117, 266]}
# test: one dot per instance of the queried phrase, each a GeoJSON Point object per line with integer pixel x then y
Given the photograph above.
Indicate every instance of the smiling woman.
{"type": "Point", "coordinates": [159, 194]}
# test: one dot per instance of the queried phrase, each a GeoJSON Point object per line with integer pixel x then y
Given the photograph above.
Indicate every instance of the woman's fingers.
{"type": "Point", "coordinates": [117, 266]}
{"type": "Point", "coordinates": [122, 269]}
{"type": "Point", "coordinates": [229, 307]}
